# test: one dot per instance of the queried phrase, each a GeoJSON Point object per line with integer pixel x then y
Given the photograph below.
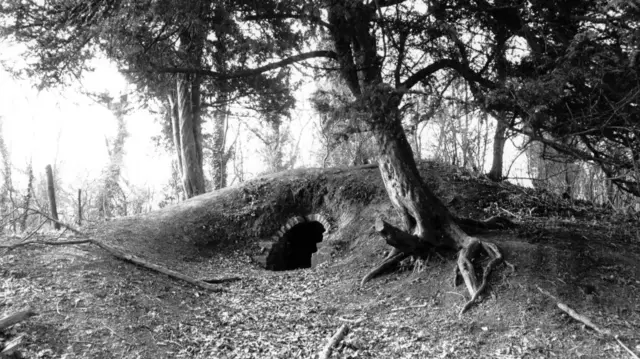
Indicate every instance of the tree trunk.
{"type": "Point", "coordinates": [428, 225]}
{"type": "Point", "coordinates": [52, 197]}
{"type": "Point", "coordinates": [219, 137]}
{"type": "Point", "coordinates": [187, 132]}
{"type": "Point", "coordinates": [27, 197]}
{"type": "Point", "coordinates": [115, 148]}
{"type": "Point", "coordinates": [423, 215]}
{"type": "Point", "coordinates": [79, 207]}
{"type": "Point", "coordinates": [499, 141]}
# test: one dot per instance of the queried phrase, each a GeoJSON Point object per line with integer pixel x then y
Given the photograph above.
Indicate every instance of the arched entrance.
{"type": "Point", "coordinates": [296, 247]}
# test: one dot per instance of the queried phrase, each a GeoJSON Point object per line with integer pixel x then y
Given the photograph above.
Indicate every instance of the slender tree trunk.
{"type": "Point", "coordinates": [187, 132]}
{"type": "Point", "coordinates": [115, 148]}
{"type": "Point", "coordinates": [79, 207]}
{"type": "Point", "coordinates": [219, 155]}
{"type": "Point", "coordinates": [499, 141]}
{"type": "Point", "coordinates": [27, 197]}
{"type": "Point", "coordinates": [52, 197]}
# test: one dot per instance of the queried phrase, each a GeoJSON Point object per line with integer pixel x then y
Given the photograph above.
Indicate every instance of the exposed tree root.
{"type": "Point", "coordinates": [405, 244]}
{"type": "Point", "coordinates": [394, 258]}
{"type": "Point", "coordinates": [470, 225]}
{"type": "Point", "coordinates": [467, 272]}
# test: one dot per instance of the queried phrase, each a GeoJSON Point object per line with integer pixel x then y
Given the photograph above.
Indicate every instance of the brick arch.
{"type": "Point", "coordinates": [274, 251]}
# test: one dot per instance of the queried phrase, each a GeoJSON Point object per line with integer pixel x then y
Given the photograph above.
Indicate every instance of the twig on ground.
{"type": "Point", "coordinates": [410, 307]}
{"type": "Point", "coordinates": [575, 315]}
{"type": "Point", "coordinates": [48, 243]}
{"type": "Point", "coordinates": [352, 321]}
{"type": "Point", "coordinates": [221, 280]}
{"type": "Point", "coordinates": [335, 340]}
{"type": "Point", "coordinates": [15, 318]}
{"type": "Point", "coordinates": [633, 355]}
{"type": "Point", "coordinates": [11, 347]}
{"type": "Point", "coordinates": [113, 332]}
{"type": "Point", "coordinates": [510, 213]}
{"type": "Point", "coordinates": [456, 294]}
{"type": "Point", "coordinates": [587, 322]}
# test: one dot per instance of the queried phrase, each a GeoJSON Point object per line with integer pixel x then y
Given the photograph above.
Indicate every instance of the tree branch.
{"type": "Point", "coordinates": [313, 19]}
{"type": "Point", "coordinates": [251, 72]}
{"type": "Point", "coordinates": [386, 3]}
{"type": "Point", "coordinates": [463, 70]}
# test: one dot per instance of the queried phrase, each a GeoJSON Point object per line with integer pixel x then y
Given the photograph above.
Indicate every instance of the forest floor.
{"type": "Point", "coordinates": [92, 305]}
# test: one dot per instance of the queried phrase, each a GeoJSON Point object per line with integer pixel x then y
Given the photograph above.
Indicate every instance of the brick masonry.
{"type": "Point", "coordinates": [267, 246]}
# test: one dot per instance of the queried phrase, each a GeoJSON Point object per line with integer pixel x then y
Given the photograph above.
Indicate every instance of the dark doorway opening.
{"type": "Point", "coordinates": [297, 246]}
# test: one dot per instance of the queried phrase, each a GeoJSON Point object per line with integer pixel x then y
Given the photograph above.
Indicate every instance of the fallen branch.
{"type": "Point", "coordinates": [67, 226]}
{"type": "Point", "coordinates": [410, 307]}
{"type": "Point", "coordinates": [352, 321]}
{"type": "Point", "coordinates": [158, 268]}
{"type": "Point", "coordinates": [124, 256]}
{"type": "Point", "coordinates": [587, 322]}
{"type": "Point", "coordinates": [15, 318]}
{"type": "Point", "coordinates": [335, 340]}
{"type": "Point", "coordinates": [11, 347]}
{"type": "Point", "coordinates": [48, 243]}
{"type": "Point", "coordinates": [221, 280]}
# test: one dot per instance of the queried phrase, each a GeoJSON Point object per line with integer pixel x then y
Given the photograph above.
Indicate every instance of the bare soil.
{"type": "Point", "coordinates": [91, 305]}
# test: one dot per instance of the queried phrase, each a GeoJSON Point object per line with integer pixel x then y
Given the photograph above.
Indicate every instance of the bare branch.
{"type": "Point", "coordinates": [252, 72]}
{"type": "Point", "coordinates": [311, 18]}
{"type": "Point", "coordinates": [463, 70]}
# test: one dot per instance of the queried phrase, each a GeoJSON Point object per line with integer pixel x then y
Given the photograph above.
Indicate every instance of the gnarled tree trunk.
{"type": "Point", "coordinates": [427, 223]}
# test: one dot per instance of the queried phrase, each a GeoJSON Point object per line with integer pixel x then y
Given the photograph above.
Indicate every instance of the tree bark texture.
{"type": "Point", "coordinates": [423, 215]}
{"type": "Point", "coordinates": [499, 141]}
{"type": "Point", "coordinates": [27, 197]}
{"type": "Point", "coordinates": [52, 197]}
{"type": "Point", "coordinates": [219, 156]}
{"type": "Point", "coordinates": [111, 175]}
{"type": "Point", "coordinates": [79, 207]}
{"type": "Point", "coordinates": [187, 132]}
{"type": "Point", "coordinates": [428, 224]}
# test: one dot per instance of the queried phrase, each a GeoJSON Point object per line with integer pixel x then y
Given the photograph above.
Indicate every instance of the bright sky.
{"type": "Point", "coordinates": [67, 129]}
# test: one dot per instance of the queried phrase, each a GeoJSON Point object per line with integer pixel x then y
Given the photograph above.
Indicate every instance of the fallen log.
{"type": "Point", "coordinates": [126, 257]}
